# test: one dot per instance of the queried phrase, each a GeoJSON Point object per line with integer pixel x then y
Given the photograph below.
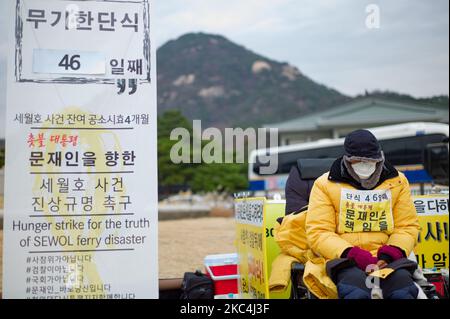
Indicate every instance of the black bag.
{"type": "Point", "coordinates": [197, 286]}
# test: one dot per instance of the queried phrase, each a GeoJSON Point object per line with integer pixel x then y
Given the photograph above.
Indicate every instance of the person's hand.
{"type": "Point", "coordinates": [381, 264]}
{"type": "Point", "coordinates": [389, 253]}
{"type": "Point", "coordinates": [362, 257]}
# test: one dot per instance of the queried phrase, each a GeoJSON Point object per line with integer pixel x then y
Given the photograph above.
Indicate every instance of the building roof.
{"type": "Point", "coordinates": [365, 112]}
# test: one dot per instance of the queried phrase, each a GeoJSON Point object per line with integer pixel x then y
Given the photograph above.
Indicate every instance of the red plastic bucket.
{"type": "Point", "coordinates": [223, 270]}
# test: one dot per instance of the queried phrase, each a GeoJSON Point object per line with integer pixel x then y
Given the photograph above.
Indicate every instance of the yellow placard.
{"type": "Point", "coordinates": [257, 249]}
{"type": "Point", "coordinates": [365, 211]}
{"type": "Point", "coordinates": [432, 250]}
{"type": "Point", "coordinates": [251, 245]}
{"type": "Point", "coordinates": [272, 211]}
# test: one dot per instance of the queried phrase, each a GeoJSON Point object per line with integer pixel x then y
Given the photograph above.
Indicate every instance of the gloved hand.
{"type": "Point", "coordinates": [390, 253]}
{"type": "Point", "coordinates": [362, 257]}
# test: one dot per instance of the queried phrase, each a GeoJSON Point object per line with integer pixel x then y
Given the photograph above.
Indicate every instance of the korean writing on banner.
{"type": "Point", "coordinates": [251, 244]}
{"type": "Point", "coordinates": [432, 250]}
{"type": "Point", "coordinates": [365, 211]}
{"type": "Point", "coordinates": [103, 43]}
{"type": "Point", "coordinates": [81, 168]}
{"type": "Point", "coordinates": [249, 212]}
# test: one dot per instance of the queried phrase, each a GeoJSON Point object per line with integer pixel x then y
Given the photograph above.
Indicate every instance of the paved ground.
{"type": "Point", "coordinates": [183, 244]}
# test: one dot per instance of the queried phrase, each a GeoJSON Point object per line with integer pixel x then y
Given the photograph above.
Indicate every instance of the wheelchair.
{"type": "Point", "coordinates": [304, 174]}
{"type": "Point", "coordinates": [300, 291]}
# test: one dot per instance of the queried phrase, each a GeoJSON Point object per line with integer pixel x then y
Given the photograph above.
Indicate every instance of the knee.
{"type": "Point", "coordinates": [399, 285]}
{"type": "Point", "coordinates": [352, 276]}
{"type": "Point", "coordinates": [351, 284]}
{"type": "Point", "coordinates": [346, 291]}
{"type": "Point", "coordinates": [409, 292]}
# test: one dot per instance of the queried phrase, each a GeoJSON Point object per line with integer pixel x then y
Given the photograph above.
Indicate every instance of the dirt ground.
{"type": "Point", "coordinates": [183, 244]}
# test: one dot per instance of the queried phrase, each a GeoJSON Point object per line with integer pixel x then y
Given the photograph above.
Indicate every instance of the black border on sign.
{"type": "Point", "coordinates": [81, 80]}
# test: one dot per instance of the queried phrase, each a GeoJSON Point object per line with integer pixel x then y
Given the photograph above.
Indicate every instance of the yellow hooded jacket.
{"type": "Point", "coordinates": [340, 216]}
{"type": "Point", "coordinates": [291, 238]}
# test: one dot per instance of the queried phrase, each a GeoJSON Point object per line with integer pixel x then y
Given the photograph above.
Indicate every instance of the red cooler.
{"type": "Point", "coordinates": [223, 270]}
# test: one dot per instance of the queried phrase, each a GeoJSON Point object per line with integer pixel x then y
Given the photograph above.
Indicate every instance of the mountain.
{"type": "Point", "coordinates": [439, 101]}
{"type": "Point", "coordinates": [210, 78]}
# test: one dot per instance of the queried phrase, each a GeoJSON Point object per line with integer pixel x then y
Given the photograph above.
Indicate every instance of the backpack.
{"type": "Point", "coordinates": [197, 286]}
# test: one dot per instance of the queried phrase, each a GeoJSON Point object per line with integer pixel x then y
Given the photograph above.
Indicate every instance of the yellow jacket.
{"type": "Point", "coordinates": [291, 238]}
{"type": "Point", "coordinates": [280, 276]}
{"type": "Point", "coordinates": [340, 216]}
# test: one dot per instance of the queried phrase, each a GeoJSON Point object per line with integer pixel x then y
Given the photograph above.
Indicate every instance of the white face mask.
{"type": "Point", "coordinates": [364, 169]}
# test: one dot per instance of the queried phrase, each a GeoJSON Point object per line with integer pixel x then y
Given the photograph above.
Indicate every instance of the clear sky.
{"type": "Point", "coordinates": [326, 39]}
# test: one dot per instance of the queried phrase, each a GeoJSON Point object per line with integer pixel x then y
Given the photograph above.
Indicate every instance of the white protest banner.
{"type": "Point", "coordinates": [80, 216]}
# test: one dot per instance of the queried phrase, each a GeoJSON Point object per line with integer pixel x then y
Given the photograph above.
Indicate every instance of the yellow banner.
{"type": "Point", "coordinates": [251, 245]}
{"type": "Point", "coordinates": [272, 211]}
{"type": "Point", "coordinates": [257, 249]}
{"type": "Point", "coordinates": [432, 250]}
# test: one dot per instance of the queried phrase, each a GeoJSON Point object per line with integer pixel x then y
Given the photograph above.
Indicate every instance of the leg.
{"type": "Point", "coordinates": [351, 283]}
{"type": "Point", "coordinates": [399, 285]}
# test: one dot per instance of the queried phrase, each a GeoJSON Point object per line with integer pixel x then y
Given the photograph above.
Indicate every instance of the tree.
{"type": "Point", "coordinates": [199, 177]}
{"type": "Point", "coordinates": [220, 177]}
{"type": "Point", "coordinates": [170, 174]}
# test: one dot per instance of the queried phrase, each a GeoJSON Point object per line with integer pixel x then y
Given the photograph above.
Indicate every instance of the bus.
{"type": "Point", "coordinates": [419, 150]}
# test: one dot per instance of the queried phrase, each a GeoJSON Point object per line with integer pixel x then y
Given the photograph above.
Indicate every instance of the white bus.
{"type": "Point", "coordinates": [406, 146]}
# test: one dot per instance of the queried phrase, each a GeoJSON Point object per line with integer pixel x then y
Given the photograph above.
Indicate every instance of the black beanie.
{"type": "Point", "coordinates": [362, 143]}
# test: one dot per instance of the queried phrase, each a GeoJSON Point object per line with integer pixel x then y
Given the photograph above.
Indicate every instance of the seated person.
{"type": "Point", "coordinates": [361, 214]}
